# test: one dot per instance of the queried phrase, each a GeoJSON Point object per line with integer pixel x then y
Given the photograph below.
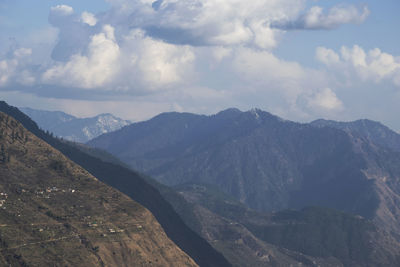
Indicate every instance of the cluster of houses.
{"type": "Point", "coordinates": [3, 199]}
{"type": "Point", "coordinates": [54, 190]}
{"type": "Point", "coordinates": [110, 230]}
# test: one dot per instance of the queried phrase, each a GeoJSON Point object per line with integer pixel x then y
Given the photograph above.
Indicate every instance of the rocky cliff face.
{"type": "Point", "coordinates": [52, 211]}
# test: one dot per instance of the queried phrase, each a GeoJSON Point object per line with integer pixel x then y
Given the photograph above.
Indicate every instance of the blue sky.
{"type": "Point", "coordinates": [379, 30]}
{"type": "Point", "coordinates": [299, 59]}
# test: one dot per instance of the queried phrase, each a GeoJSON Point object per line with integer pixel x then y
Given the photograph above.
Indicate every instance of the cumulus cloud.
{"type": "Point", "coordinates": [95, 69]}
{"type": "Point", "coordinates": [325, 100]}
{"type": "Point", "coordinates": [146, 45]}
{"type": "Point", "coordinates": [220, 52]}
{"type": "Point", "coordinates": [74, 34]}
{"type": "Point", "coordinates": [208, 22]}
{"type": "Point", "coordinates": [316, 19]}
{"type": "Point", "coordinates": [153, 64]}
{"type": "Point", "coordinates": [135, 63]}
{"type": "Point", "coordinates": [184, 51]}
{"type": "Point", "coordinates": [14, 69]}
{"type": "Point", "coordinates": [89, 18]}
{"type": "Point", "coordinates": [63, 10]}
{"type": "Point", "coordinates": [373, 65]}
{"type": "Point", "coordinates": [327, 56]}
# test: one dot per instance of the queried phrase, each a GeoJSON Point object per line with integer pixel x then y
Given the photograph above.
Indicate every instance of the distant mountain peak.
{"type": "Point", "coordinates": [230, 111]}
{"type": "Point", "coordinates": [255, 112]}
{"type": "Point", "coordinates": [73, 128]}
{"type": "Point", "coordinates": [109, 115]}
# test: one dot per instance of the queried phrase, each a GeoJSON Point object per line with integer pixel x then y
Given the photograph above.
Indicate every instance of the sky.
{"type": "Point", "coordinates": [298, 59]}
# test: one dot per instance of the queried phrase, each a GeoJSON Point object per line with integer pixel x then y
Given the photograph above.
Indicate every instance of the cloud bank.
{"type": "Point", "coordinates": [369, 66]}
{"type": "Point", "coordinates": [199, 53]}
{"type": "Point", "coordinates": [316, 19]}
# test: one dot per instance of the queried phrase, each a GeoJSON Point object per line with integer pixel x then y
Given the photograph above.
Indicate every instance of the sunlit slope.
{"type": "Point", "coordinates": [54, 212]}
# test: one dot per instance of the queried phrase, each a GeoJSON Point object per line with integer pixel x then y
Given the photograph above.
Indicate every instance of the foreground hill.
{"type": "Point", "coordinates": [72, 128]}
{"type": "Point", "coordinates": [265, 162]}
{"type": "Point", "coordinates": [54, 211]}
{"type": "Point", "coordinates": [135, 186]}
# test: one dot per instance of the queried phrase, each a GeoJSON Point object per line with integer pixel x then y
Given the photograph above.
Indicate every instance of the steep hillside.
{"type": "Point", "coordinates": [265, 162]}
{"type": "Point", "coordinates": [52, 211]}
{"type": "Point", "coordinates": [72, 128]}
{"type": "Point", "coordinates": [312, 236]}
{"type": "Point", "coordinates": [134, 185]}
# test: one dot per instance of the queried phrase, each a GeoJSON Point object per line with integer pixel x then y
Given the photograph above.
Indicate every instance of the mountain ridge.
{"type": "Point", "coordinates": [265, 162]}
{"type": "Point", "coordinates": [375, 131]}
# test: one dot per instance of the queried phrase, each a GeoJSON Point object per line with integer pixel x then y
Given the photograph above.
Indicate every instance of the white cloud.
{"type": "Point", "coordinates": [7, 69]}
{"type": "Point", "coordinates": [356, 56]}
{"type": "Point", "coordinates": [326, 100]}
{"type": "Point", "coordinates": [94, 70]}
{"type": "Point", "coordinates": [14, 69]}
{"type": "Point", "coordinates": [153, 64]}
{"type": "Point", "coordinates": [220, 52]}
{"type": "Point", "coordinates": [157, 42]}
{"type": "Point", "coordinates": [373, 65]}
{"type": "Point", "coordinates": [89, 18]}
{"type": "Point", "coordinates": [327, 56]}
{"type": "Point", "coordinates": [74, 34]}
{"type": "Point", "coordinates": [135, 63]}
{"type": "Point", "coordinates": [63, 10]}
{"type": "Point", "coordinates": [22, 52]}
{"type": "Point", "coordinates": [163, 64]}
{"type": "Point", "coordinates": [316, 19]}
{"type": "Point", "coordinates": [208, 22]}
{"type": "Point", "coordinates": [191, 54]}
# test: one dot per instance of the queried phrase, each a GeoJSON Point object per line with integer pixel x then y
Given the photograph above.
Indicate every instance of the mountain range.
{"type": "Point", "coordinates": [270, 164]}
{"type": "Point", "coordinates": [72, 128]}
